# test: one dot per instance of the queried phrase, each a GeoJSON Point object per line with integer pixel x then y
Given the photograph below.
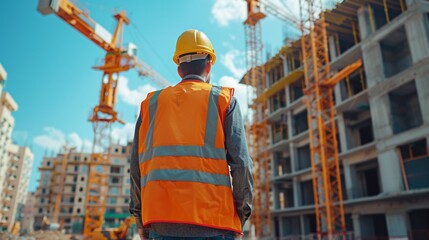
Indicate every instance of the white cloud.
{"type": "Point", "coordinates": [123, 134]}
{"type": "Point", "coordinates": [53, 139]}
{"type": "Point", "coordinates": [75, 140]}
{"type": "Point", "coordinates": [132, 96]}
{"type": "Point", "coordinates": [225, 11]}
{"type": "Point", "coordinates": [233, 60]}
{"type": "Point", "coordinates": [240, 92]}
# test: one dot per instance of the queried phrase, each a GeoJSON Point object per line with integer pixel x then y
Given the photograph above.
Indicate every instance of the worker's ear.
{"type": "Point", "coordinates": [179, 71]}
{"type": "Point", "coordinates": [208, 67]}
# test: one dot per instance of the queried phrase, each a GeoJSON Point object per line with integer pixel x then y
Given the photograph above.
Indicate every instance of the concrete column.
{"type": "Point", "coordinates": [364, 22]}
{"type": "Point", "coordinates": [332, 47]}
{"type": "Point", "coordinates": [302, 225]}
{"type": "Point", "coordinates": [292, 156]}
{"type": "Point", "coordinates": [276, 197]}
{"type": "Point", "coordinates": [284, 62]}
{"type": "Point", "coordinates": [337, 92]}
{"type": "Point", "coordinates": [390, 172]}
{"type": "Point", "coordinates": [281, 230]}
{"type": "Point", "coordinates": [296, 192]}
{"type": "Point", "coordinates": [270, 135]}
{"type": "Point", "coordinates": [356, 226]}
{"type": "Point", "coordinates": [397, 225]}
{"type": "Point", "coordinates": [422, 86]}
{"type": "Point", "coordinates": [342, 132]}
{"type": "Point", "coordinates": [287, 95]}
{"type": "Point", "coordinates": [381, 116]}
{"type": "Point", "coordinates": [290, 128]}
{"type": "Point", "coordinates": [417, 37]}
{"type": "Point", "coordinates": [373, 63]}
{"type": "Point", "coordinates": [348, 177]}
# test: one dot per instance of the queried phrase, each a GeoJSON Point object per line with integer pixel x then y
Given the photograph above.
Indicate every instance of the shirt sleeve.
{"type": "Point", "coordinates": [135, 191]}
{"type": "Point", "coordinates": [239, 161]}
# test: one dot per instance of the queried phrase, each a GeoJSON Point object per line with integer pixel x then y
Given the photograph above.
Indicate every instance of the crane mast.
{"type": "Point", "coordinates": [257, 132]}
{"type": "Point", "coordinates": [117, 59]}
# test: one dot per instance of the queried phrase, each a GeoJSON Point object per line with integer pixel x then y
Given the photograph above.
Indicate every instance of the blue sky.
{"type": "Point", "coordinates": [50, 73]}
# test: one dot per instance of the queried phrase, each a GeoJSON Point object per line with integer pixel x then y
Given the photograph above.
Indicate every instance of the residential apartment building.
{"type": "Point", "coordinates": [7, 122]}
{"type": "Point", "coordinates": [20, 161]}
{"type": "Point", "coordinates": [72, 199]}
{"type": "Point", "coordinates": [15, 163]}
{"type": "Point", "coordinates": [382, 123]}
{"type": "Point", "coordinates": [28, 219]}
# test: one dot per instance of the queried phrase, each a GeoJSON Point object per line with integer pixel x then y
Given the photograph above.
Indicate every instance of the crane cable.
{"type": "Point", "coordinates": [141, 39]}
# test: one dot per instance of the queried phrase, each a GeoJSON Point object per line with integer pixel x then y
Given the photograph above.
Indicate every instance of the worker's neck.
{"type": "Point", "coordinates": [194, 77]}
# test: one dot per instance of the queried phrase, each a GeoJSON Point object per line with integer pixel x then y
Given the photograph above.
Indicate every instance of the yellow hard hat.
{"type": "Point", "coordinates": [193, 41]}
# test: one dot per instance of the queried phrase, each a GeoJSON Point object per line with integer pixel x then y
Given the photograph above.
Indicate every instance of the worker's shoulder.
{"type": "Point", "coordinates": [224, 90]}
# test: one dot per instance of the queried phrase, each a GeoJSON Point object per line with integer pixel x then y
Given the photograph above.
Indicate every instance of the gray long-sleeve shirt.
{"type": "Point", "coordinates": [241, 172]}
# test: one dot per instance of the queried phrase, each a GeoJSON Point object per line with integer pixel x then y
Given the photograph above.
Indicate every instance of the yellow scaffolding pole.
{"type": "Point", "coordinates": [337, 41]}
{"type": "Point", "coordinates": [371, 17]}
{"type": "Point", "coordinates": [386, 10]}
{"type": "Point", "coordinates": [404, 174]}
{"type": "Point", "coordinates": [293, 61]}
{"type": "Point", "coordinates": [355, 37]}
{"type": "Point", "coordinates": [349, 89]}
{"type": "Point", "coordinates": [402, 5]}
{"type": "Point", "coordinates": [362, 81]}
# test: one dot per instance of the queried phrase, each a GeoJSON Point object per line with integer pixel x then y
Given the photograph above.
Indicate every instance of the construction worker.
{"type": "Point", "coordinates": [189, 144]}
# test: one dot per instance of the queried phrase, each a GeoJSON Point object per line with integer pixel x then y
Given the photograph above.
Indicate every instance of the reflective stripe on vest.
{"type": "Point", "coordinates": [207, 151]}
{"type": "Point", "coordinates": [186, 176]}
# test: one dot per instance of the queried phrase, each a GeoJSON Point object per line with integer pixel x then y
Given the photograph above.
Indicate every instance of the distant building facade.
{"type": "Point", "coordinates": [28, 213]}
{"type": "Point", "coordinates": [15, 163]}
{"type": "Point", "coordinates": [72, 208]}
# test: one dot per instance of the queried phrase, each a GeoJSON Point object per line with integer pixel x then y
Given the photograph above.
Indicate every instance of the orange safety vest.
{"type": "Point", "coordinates": [184, 173]}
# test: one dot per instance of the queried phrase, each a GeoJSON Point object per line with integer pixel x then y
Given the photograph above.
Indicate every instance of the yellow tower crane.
{"type": "Point", "coordinates": [117, 59]}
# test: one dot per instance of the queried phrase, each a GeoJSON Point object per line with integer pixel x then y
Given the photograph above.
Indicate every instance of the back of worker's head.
{"type": "Point", "coordinates": [194, 54]}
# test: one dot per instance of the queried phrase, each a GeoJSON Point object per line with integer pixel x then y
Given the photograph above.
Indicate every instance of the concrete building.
{"type": "Point", "coordinates": [20, 161]}
{"type": "Point", "coordinates": [28, 219]}
{"type": "Point", "coordinates": [15, 163]}
{"type": "Point", "coordinates": [7, 122]}
{"type": "Point", "coordinates": [382, 122]}
{"type": "Point", "coordinates": [73, 198]}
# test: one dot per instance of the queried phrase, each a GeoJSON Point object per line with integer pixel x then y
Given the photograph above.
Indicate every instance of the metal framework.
{"type": "Point", "coordinates": [328, 196]}
{"type": "Point", "coordinates": [256, 121]}
{"type": "Point", "coordinates": [98, 169]}
{"type": "Point", "coordinates": [117, 59]}
{"type": "Point", "coordinates": [321, 113]}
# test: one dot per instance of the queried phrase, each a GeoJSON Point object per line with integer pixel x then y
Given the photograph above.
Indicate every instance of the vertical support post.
{"type": "Point", "coordinates": [355, 37]}
{"type": "Point", "coordinates": [362, 81]}
{"type": "Point", "coordinates": [404, 174]}
{"type": "Point", "coordinates": [371, 17]}
{"type": "Point", "coordinates": [349, 89]}
{"type": "Point", "coordinates": [386, 10]}
{"type": "Point", "coordinates": [402, 5]}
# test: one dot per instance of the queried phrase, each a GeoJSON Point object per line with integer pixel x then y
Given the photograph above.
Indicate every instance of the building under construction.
{"type": "Point", "coordinates": [382, 121]}
{"type": "Point", "coordinates": [70, 200]}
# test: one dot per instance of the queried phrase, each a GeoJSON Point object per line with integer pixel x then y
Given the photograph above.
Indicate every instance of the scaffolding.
{"type": "Point", "coordinates": [257, 132]}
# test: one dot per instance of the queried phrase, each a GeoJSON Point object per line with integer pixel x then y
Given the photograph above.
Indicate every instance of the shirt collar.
{"type": "Point", "coordinates": [193, 77]}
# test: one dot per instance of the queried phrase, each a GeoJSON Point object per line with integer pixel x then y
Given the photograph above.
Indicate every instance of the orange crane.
{"type": "Point", "coordinates": [117, 59]}
{"type": "Point", "coordinates": [320, 82]}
